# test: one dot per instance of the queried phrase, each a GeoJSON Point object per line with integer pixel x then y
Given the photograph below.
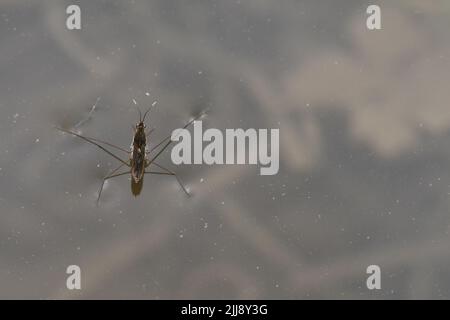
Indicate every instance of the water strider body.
{"type": "Point", "coordinates": [138, 156]}
{"type": "Point", "coordinates": [139, 159]}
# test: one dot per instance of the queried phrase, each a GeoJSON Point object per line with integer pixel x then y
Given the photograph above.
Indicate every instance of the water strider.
{"type": "Point", "coordinates": [139, 155]}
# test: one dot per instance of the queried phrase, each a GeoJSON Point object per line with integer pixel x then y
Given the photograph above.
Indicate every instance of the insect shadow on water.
{"type": "Point", "coordinates": [140, 157]}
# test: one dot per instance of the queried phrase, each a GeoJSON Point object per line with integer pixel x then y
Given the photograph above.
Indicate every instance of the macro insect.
{"type": "Point", "coordinates": [140, 159]}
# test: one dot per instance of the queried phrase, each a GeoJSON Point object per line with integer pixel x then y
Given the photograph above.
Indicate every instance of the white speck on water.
{"type": "Point", "coordinates": [181, 235]}
{"type": "Point", "coordinates": [201, 180]}
{"type": "Point", "coordinates": [223, 202]}
{"type": "Point", "coordinates": [37, 140]}
{"type": "Point", "coordinates": [134, 101]}
{"type": "Point", "coordinates": [205, 226]}
{"type": "Point", "coordinates": [98, 165]}
{"type": "Point", "coordinates": [147, 94]}
{"type": "Point", "coordinates": [154, 103]}
{"type": "Point", "coordinates": [200, 72]}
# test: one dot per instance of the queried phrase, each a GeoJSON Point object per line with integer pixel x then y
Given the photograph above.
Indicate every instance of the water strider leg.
{"type": "Point", "coordinates": [109, 144]}
{"type": "Point", "coordinates": [109, 176]}
{"type": "Point", "coordinates": [95, 144]}
{"type": "Point", "coordinates": [149, 132]}
{"type": "Point", "coordinates": [174, 174]}
{"type": "Point", "coordinates": [169, 174]}
{"type": "Point", "coordinates": [146, 137]}
{"type": "Point", "coordinates": [168, 137]}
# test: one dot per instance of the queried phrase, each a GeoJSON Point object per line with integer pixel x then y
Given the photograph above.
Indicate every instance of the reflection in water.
{"type": "Point", "coordinates": [364, 149]}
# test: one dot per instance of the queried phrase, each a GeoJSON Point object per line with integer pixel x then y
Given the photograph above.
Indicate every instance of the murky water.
{"type": "Point", "coordinates": [364, 149]}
